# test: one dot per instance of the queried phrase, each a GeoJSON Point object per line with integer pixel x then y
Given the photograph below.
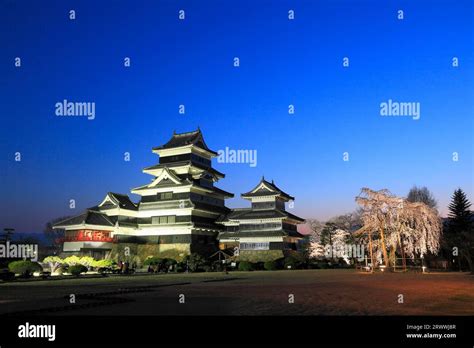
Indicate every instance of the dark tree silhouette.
{"type": "Point", "coordinates": [53, 236]}
{"type": "Point", "coordinates": [459, 232]}
{"type": "Point", "coordinates": [423, 195]}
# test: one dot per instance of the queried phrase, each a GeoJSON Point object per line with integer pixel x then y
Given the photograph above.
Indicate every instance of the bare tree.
{"type": "Point", "coordinates": [316, 228]}
{"type": "Point", "coordinates": [422, 194]}
{"type": "Point", "coordinates": [347, 222]}
{"type": "Point", "coordinates": [54, 236]}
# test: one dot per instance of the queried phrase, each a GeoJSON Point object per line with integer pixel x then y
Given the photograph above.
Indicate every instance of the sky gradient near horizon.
{"type": "Point", "coordinates": [190, 62]}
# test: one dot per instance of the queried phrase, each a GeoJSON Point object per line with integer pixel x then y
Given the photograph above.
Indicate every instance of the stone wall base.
{"type": "Point", "coordinates": [260, 255]}
{"type": "Point", "coordinates": [138, 253]}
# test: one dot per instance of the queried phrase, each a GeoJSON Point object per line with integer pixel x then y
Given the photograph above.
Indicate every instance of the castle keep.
{"type": "Point", "coordinates": [181, 211]}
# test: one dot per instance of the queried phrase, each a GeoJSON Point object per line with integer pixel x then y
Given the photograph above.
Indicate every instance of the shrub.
{"type": "Point", "coordinates": [156, 263]}
{"type": "Point", "coordinates": [324, 265]}
{"type": "Point", "coordinates": [102, 264]}
{"type": "Point", "coordinates": [218, 266]}
{"type": "Point", "coordinates": [170, 265]}
{"type": "Point", "coordinates": [62, 269]}
{"type": "Point", "coordinates": [292, 263]}
{"type": "Point", "coordinates": [180, 267]}
{"type": "Point", "coordinates": [6, 275]}
{"type": "Point", "coordinates": [45, 275]}
{"type": "Point", "coordinates": [76, 270]}
{"type": "Point", "coordinates": [25, 268]}
{"type": "Point", "coordinates": [87, 261]}
{"type": "Point", "coordinates": [270, 265]}
{"type": "Point", "coordinates": [54, 263]}
{"type": "Point", "coordinates": [246, 266]}
{"type": "Point", "coordinates": [207, 268]}
{"type": "Point", "coordinates": [153, 261]}
{"type": "Point", "coordinates": [170, 262]}
{"type": "Point", "coordinates": [72, 260]}
{"type": "Point", "coordinates": [195, 262]}
{"type": "Point", "coordinates": [313, 265]}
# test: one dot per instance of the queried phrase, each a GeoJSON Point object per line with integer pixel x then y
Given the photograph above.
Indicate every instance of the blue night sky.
{"type": "Point", "coordinates": [190, 62]}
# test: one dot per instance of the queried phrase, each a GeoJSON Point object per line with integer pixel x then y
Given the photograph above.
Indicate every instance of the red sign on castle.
{"type": "Point", "coordinates": [88, 236]}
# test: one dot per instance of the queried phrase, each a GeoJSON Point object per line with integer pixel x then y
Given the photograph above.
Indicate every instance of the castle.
{"type": "Point", "coordinates": [181, 211]}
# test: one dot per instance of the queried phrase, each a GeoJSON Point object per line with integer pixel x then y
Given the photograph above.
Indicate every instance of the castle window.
{"type": "Point", "coordinates": [157, 220]}
{"type": "Point", "coordinates": [255, 246]}
{"type": "Point", "coordinates": [166, 195]}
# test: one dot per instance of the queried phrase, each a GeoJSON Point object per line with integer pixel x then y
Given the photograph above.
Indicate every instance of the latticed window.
{"type": "Point", "coordinates": [263, 226]}
{"type": "Point", "coordinates": [163, 219]}
{"type": "Point", "coordinates": [166, 195]}
{"type": "Point", "coordinates": [255, 246]}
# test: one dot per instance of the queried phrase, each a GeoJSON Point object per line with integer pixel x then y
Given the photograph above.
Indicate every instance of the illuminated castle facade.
{"type": "Point", "coordinates": [181, 211]}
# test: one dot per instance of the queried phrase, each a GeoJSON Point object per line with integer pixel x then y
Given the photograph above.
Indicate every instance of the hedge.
{"type": "Point", "coordinates": [270, 265]}
{"type": "Point", "coordinates": [25, 268]}
{"type": "Point", "coordinates": [246, 266]}
{"type": "Point", "coordinates": [76, 270]}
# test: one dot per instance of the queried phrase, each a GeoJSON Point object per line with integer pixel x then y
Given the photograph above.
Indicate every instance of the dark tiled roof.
{"type": "Point", "coordinates": [168, 182]}
{"type": "Point", "coordinates": [223, 192]}
{"type": "Point", "coordinates": [185, 163]}
{"type": "Point", "coordinates": [278, 233]}
{"type": "Point", "coordinates": [209, 169]}
{"type": "Point", "coordinates": [185, 182]}
{"type": "Point", "coordinates": [210, 207]}
{"type": "Point", "coordinates": [294, 217]}
{"type": "Point", "coordinates": [124, 201]}
{"type": "Point", "coordinates": [200, 224]}
{"type": "Point", "coordinates": [249, 214]}
{"type": "Point", "coordinates": [240, 234]}
{"type": "Point", "coordinates": [168, 165]}
{"type": "Point", "coordinates": [234, 214]}
{"type": "Point", "coordinates": [214, 189]}
{"type": "Point", "coordinates": [89, 217]}
{"type": "Point", "coordinates": [131, 222]}
{"type": "Point", "coordinates": [184, 139]}
{"type": "Point", "coordinates": [165, 183]}
{"type": "Point", "coordinates": [270, 189]}
{"type": "Point", "coordinates": [294, 234]}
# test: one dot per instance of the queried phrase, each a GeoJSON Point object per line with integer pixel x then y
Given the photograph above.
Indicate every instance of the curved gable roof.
{"type": "Point", "coordinates": [116, 200]}
{"type": "Point", "coordinates": [89, 217]}
{"type": "Point", "coordinates": [265, 188]}
{"type": "Point", "coordinates": [184, 139]}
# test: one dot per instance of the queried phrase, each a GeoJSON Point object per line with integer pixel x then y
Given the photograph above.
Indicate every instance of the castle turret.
{"type": "Point", "coordinates": [265, 231]}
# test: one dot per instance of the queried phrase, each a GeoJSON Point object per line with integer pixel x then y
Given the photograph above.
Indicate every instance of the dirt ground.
{"type": "Point", "coordinates": [305, 292]}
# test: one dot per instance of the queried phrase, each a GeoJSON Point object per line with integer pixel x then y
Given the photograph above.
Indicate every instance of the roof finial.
{"type": "Point", "coordinates": [263, 177]}
{"type": "Point", "coordinates": [174, 131]}
{"type": "Point", "coordinates": [273, 182]}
